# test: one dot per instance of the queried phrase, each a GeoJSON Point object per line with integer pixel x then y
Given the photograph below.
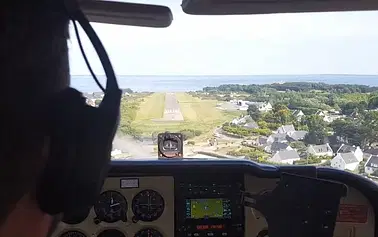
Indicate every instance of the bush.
{"type": "Point", "coordinates": [246, 131]}
{"type": "Point", "coordinates": [192, 143]}
{"type": "Point", "coordinates": [262, 131]}
{"type": "Point", "coordinates": [190, 133]}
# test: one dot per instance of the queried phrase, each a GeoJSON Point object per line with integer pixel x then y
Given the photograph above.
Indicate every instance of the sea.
{"type": "Point", "coordinates": [86, 83]}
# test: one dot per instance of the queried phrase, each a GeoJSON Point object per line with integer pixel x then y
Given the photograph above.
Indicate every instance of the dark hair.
{"type": "Point", "coordinates": [34, 65]}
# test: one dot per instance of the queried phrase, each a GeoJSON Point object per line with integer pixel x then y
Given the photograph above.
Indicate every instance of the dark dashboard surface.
{"type": "Point", "coordinates": [195, 198]}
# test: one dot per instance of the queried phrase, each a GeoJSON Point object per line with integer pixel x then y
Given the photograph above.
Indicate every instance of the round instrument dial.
{"type": "Point", "coordinates": [170, 145]}
{"type": "Point", "coordinates": [148, 205]}
{"type": "Point", "coordinates": [72, 233]}
{"type": "Point", "coordinates": [111, 207]}
{"type": "Point", "coordinates": [111, 233]}
{"type": "Point", "coordinates": [75, 218]}
{"type": "Point", "coordinates": [149, 232]}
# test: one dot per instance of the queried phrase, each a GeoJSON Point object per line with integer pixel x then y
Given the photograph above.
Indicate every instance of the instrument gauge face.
{"type": "Point", "coordinates": [111, 233]}
{"type": "Point", "coordinates": [111, 207]}
{"type": "Point", "coordinates": [170, 145]}
{"type": "Point", "coordinates": [149, 232]}
{"type": "Point", "coordinates": [148, 205]}
{"type": "Point", "coordinates": [73, 233]}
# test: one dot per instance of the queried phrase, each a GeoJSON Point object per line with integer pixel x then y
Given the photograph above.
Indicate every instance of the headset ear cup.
{"type": "Point", "coordinates": [81, 143]}
{"type": "Point", "coordinates": [67, 116]}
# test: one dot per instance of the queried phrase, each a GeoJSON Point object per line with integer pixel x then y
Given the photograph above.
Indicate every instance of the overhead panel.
{"type": "Point", "coordinates": [123, 13]}
{"type": "Point", "coordinates": [242, 7]}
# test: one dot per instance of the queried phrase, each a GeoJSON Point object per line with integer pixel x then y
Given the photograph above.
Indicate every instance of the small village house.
{"type": "Point", "coordinates": [371, 165]}
{"type": "Point", "coordinates": [285, 157]}
{"type": "Point", "coordinates": [345, 161]}
{"type": "Point", "coordinates": [320, 150]}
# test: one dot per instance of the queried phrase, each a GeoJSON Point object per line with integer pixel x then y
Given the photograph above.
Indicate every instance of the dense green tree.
{"type": "Point", "coordinates": [278, 107]}
{"type": "Point", "coordinates": [254, 112]}
{"type": "Point", "coordinates": [317, 130]}
{"type": "Point", "coordinates": [373, 102]}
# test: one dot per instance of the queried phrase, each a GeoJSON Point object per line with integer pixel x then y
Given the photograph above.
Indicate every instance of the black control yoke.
{"type": "Point", "coordinates": [299, 206]}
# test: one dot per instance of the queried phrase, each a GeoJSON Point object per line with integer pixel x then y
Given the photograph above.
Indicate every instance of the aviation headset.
{"type": "Point", "coordinates": [81, 136]}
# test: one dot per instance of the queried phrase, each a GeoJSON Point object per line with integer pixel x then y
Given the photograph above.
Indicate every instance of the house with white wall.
{"type": "Point", "coordinates": [284, 129]}
{"type": "Point", "coordinates": [371, 165]}
{"type": "Point", "coordinates": [356, 150]}
{"type": "Point", "coordinates": [320, 150]}
{"type": "Point", "coordinates": [285, 157]}
{"type": "Point", "coordinates": [345, 161]}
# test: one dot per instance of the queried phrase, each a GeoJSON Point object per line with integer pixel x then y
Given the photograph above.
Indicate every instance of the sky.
{"type": "Point", "coordinates": [274, 44]}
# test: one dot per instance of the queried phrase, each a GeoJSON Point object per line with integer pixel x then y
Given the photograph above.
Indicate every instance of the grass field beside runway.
{"type": "Point", "coordinates": [198, 114]}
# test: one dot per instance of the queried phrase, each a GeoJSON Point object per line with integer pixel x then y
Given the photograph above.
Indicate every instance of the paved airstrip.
{"type": "Point", "coordinates": [172, 111]}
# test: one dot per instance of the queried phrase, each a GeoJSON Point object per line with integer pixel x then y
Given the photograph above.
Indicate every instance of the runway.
{"type": "Point", "coordinates": [172, 111]}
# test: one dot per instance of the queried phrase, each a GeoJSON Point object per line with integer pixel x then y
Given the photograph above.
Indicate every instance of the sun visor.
{"type": "Point", "coordinates": [240, 7]}
{"type": "Point", "coordinates": [122, 13]}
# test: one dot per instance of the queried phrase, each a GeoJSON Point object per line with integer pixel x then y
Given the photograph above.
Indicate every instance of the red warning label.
{"type": "Point", "coordinates": [352, 213]}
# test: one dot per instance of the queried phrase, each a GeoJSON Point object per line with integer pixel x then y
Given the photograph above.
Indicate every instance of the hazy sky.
{"type": "Point", "coordinates": [326, 43]}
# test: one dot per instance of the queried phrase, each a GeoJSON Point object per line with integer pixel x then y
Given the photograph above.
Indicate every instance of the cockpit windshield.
{"type": "Point", "coordinates": [276, 89]}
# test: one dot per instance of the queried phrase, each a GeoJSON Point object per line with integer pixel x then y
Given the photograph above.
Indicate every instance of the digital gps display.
{"type": "Point", "coordinates": [208, 208]}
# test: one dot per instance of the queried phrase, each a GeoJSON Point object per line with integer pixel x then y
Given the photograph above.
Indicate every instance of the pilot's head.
{"type": "Point", "coordinates": [34, 64]}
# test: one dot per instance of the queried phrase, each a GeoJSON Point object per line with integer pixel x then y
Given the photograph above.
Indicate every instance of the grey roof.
{"type": "Point", "coordinates": [321, 148]}
{"type": "Point", "coordinates": [349, 158]}
{"type": "Point", "coordinates": [372, 162]}
{"type": "Point", "coordinates": [262, 140]}
{"type": "Point", "coordinates": [287, 128]}
{"type": "Point", "coordinates": [252, 124]}
{"type": "Point", "coordinates": [297, 112]}
{"type": "Point", "coordinates": [278, 137]}
{"type": "Point", "coordinates": [373, 151]}
{"type": "Point", "coordinates": [346, 148]}
{"type": "Point", "coordinates": [286, 155]}
{"type": "Point", "coordinates": [245, 119]}
{"type": "Point", "coordinates": [278, 146]}
{"type": "Point", "coordinates": [297, 135]}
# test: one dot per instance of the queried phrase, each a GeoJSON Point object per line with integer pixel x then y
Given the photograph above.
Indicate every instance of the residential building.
{"type": "Point", "coordinates": [262, 106]}
{"type": "Point", "coordinates": [345, 161]}
{"type": "Point", "coordinates": [277, 146]}
{"type": "Point", "coordinates": [262, 141]}
{"type": "Point", "coordinates": [321, 113]}
{"type": "Point", "coordinates": [251, 125]}
{"type": "Point", "coordinates": [332, 117]}
{"type": "Point", "coordinates": [356, 150]}
{"type": "Point", "coordinates": [371, 165]}
{"type": "Point", "coordinates": [286, 129]}
{"type": "Point", "coordinates": [277, 137]}
{"type": "Point", "coordinates": [285, 157]}
{"type": "Point", "coordinates": [298, 114]}
{"type": "Point", "coordinates": [245, 121]}
{"type": "Point", "coordinates": [296, 136]}
{"type": "Point", "coordinates": [372, 151]}
{"type": "Point", "coordinates": [320, 150]}
{"type": "Point", "coordinates": [241, 120]}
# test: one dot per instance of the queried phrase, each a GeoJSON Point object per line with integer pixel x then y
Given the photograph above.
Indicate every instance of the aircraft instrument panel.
{"type": "Point", "coordinates": [182, 198]}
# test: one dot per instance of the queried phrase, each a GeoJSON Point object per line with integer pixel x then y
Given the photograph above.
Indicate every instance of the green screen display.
{"type": "Point", "coordinates": [206, 208]}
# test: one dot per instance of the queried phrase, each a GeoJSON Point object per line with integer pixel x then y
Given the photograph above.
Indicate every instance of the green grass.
{"type": "Point", "coordinates": [198, 115]}
{"type": "Point", "coordinates": [151, 108]}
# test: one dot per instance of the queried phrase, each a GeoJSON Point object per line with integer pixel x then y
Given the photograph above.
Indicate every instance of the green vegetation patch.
{"type": "Point", "coordinates": [152, 107]}
{"type": "Point", "coordinates": [200, 116]}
